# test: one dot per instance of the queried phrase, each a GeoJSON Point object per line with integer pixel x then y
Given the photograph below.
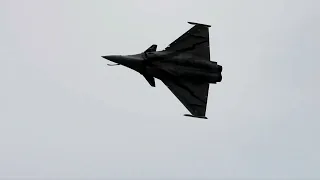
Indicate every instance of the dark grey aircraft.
{"type": "Point", "coordinates": [184, 67]}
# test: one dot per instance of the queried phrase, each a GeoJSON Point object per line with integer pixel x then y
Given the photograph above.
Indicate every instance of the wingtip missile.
{"type": "Point", "coordinates": [194, 23]}
{"type": "Point", "coordinates": [190, 115]}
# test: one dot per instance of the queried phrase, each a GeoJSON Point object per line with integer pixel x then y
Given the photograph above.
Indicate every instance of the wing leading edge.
{"type": "Point", "coordinates": [193, 96]}
{"type": "Point", "coordinates": [194, 41]}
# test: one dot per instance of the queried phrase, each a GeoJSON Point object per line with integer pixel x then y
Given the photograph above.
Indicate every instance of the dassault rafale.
{"type": "Point", "coordinates": [184, 66]}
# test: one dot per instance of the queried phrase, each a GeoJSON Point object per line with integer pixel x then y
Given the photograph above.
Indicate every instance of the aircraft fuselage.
{"type": "Point", "coordinates": [171, 65]}
{"type": "Point", "coordinates": [183, 66]}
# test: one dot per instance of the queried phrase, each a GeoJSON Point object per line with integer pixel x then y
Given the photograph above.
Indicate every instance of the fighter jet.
{"type": "Point", "coordinates": [184, 66]}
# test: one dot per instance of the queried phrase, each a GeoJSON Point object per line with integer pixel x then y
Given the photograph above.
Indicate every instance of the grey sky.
{"type": "Point", "coordinates": [63, 113]}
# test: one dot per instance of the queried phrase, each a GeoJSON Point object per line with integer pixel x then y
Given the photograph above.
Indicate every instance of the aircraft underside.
{"type": "Point", "coordinates": [184, 66]}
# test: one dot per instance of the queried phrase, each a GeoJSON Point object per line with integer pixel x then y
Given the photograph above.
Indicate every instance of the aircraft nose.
{"type": "Point", "coordinates": [113, 58]}
{"type": "Point", "coordinates": [133, 62]}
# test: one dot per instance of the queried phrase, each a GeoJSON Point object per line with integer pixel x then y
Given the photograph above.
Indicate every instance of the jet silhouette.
{"type": "Point", "coordinates": [184, 67]}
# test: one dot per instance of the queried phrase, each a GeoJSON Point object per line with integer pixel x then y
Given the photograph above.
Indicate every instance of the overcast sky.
{"type": "Point", "coordinates": [64, 113]}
